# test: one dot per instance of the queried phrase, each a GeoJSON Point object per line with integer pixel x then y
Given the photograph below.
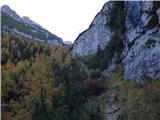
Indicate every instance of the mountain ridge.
{"type": "Point", "coordinates": [89, 80]}
{"type": "Point", "coordinates": [26, 28]}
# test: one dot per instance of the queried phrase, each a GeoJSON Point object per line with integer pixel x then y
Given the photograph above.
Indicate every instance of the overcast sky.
{"type": "Point", "coordinates": [64, 18]}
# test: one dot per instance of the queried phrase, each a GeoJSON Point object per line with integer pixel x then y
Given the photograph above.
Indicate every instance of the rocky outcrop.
{"type": "Point", "coordinates": [25, 28]}
{"type": "Point", "coordinates": [142, 43]}
{"type": "Point", "coordinates": [141, 38]}
{"type": "Point", "coordinates": [112, 109]}
{"type": "Point", "coordinates": [96, 36]}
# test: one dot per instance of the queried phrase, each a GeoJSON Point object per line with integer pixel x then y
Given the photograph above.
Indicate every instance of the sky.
{"type": "Point", "coordinates": [64, 18]}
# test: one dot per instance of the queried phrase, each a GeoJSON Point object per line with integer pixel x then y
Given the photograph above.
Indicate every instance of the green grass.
{"type": "Point", "coordinates": [136, 102]}
{"type": "Point", "coordinates": [7, 20]}
{"type": "Point", "coordinates": [10, 22]}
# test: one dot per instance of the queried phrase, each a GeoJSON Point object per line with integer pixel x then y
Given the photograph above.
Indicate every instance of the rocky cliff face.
{"type": "Point", "coordinates": [97, 35]}
{"type": "Point", "coordinates": [142, 43]}
{"type": "Point", "coordinates": [141, 37]}
{"type": "Point", "coordinates": [25, 28]}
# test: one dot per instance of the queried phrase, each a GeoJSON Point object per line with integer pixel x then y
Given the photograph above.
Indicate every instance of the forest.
{"type": "Point", "coordinates": [40, 81]}
{"type": "Point", "coordinates": [45, 82]}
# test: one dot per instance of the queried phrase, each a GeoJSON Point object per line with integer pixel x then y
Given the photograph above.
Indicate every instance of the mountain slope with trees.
{"type": "Point", "coordinates": [43, 81]}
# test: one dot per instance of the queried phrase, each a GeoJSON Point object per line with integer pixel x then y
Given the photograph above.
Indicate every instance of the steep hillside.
{"type": "Point", "coordinates": [25, 28]}
{"type": "Point", "coordinates": [97, 35]}
{"type": "Point", "coordinates": [40, 81]}
{"type": "Point", "coordinates": [124, 31]}
{"type": "Point", "coordinates": [89, 80]}
{"type": "Point", "coordinates": [125, 100]}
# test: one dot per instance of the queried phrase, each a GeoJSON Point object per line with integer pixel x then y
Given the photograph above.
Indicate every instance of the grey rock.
{"type": "Point", "coordinates": [142, 43]}
{"type": "Point", "coordinates": [141, 52]}
{"type": "Point", "coordinates": [111, 109]}
{"type": "Point", "coordinates": [158, 13]}
{"type": "Point", "coordinates": [96, 36]}
{"type": "Point", "coordinates": [6, 9]}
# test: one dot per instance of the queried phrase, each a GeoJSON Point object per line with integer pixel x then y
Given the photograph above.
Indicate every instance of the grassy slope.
{"type": "Point", "coordinates": [10, 22]}
{"type": "Point", "coordinates": [136, 102]}
{"type": "Point", "coordinates": [6, 20]}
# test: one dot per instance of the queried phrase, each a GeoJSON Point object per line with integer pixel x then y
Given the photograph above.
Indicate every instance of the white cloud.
{"type": "Point", "coordinates": [65, 18]}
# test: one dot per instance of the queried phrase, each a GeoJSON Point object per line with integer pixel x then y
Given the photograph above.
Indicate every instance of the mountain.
{"type": "Point", "coordinates": [67, 42]}
{"type": "Point", "coordinates": [88, 80]}
{"type": "Point", "coordinates": [97, 35]}
{"type": "Point", "coordinates": [25, 28]}
{"type": "Point", "coordinates": [129, 31]}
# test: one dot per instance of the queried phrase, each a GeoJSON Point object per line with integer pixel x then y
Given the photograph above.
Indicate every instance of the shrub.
{"type": "Point", "coordinates": [94, 87]}
{"type": "Point", "coordinates": [94, 73]}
